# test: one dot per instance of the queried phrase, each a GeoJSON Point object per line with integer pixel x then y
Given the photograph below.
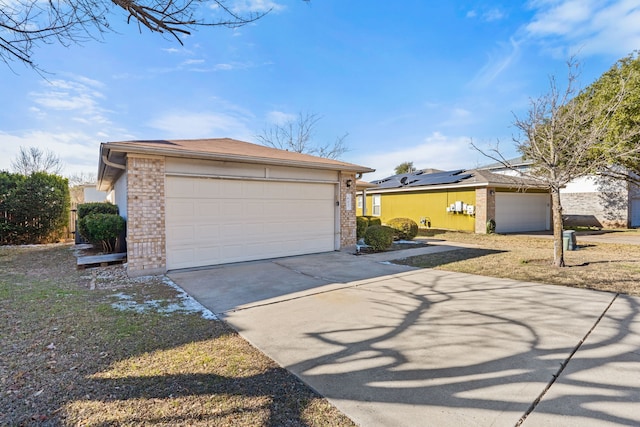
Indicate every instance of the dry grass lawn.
{"type": "Point", "coordinates": [94, 348]}
{"type": "Point", "coordinates": [601, 266]}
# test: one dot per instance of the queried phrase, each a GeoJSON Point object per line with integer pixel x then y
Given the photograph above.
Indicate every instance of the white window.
{"type": "Point", "coordinates": [359, 201]}
{"type": "Point", "coordinates": [376, 205]}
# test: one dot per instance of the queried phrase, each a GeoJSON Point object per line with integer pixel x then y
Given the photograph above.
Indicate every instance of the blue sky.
{"type": "Point", "coordinates": [409, 81]}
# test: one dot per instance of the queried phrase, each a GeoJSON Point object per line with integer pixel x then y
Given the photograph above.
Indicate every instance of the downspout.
{"type": "Point", "coordinates": [110, 163]}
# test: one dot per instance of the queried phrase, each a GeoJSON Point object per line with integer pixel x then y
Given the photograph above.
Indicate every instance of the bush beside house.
{"type": "Point", "coordinates": [379, 237]}
{"type": "Point", "coordinates": [100, 224]}
{"type": "Point", "coordinates": [406, 228]}
{"type": "Point", "coordinates": [363, 222]}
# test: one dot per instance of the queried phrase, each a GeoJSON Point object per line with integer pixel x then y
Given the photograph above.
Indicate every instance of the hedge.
{"type": "Point", "coordinates": [33, 209]}
{"type": "Point", "coordinates": [362, 222]}
{"type": "Point", "coordinates": [379, 237]}
{"type": "Point", "coordinates": [102, 229]}
{"type": "Point", "coordinates": [406, 228]}
{"type": "Point", "coordinates": [85, 209]}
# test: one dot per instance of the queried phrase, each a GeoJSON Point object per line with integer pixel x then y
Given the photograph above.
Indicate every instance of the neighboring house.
{"type": "Point", "coordinates": [193, 203]}
{"type": "Point", "coordinates": [86, 193]}
{"type": "Point", "coordinates": [461, 200]}
{"type": "Point", "coordinates": [589, 201]}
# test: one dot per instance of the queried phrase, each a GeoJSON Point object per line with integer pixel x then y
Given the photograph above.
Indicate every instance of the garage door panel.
{"type": "Point", "coordinates": [223, 221]}
{"type": "Point", "coordinates": [181, 188]}
{"type": "Point", "coordinates": [206, 209]}
{"type": "Point", "coordinates": [181, 234]}
{"type": "Point", "coordinates": [179, 208]}
{"type": "Point", "coordinates": [206, 188]}
{"type": "Point", "coordinates": [521, 212]}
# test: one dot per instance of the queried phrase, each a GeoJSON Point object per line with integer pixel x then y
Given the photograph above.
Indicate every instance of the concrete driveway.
{"type": "Point", "coordinates": [395, 346]}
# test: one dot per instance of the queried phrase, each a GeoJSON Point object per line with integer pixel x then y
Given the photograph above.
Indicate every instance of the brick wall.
{"type": "Point", "coordinates": [347, 210]}
{"type": "Point", "coordinates": [609, 210]}
{"type": "Point", "coordinates": [485, 208]}
{"type": "Point", "coordinates": [146, 248]}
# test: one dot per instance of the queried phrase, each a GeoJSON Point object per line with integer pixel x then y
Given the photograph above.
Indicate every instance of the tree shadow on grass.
{"type": "Point", "coordinates": [442, 258]}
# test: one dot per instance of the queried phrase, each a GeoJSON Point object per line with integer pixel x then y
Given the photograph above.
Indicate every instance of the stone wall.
{"type": "Point", "coordinates": [146, 215]}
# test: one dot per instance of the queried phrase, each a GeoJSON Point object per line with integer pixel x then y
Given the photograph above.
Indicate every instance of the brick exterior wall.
{"type": "Point", "coordinates": [347, 211]}
{"type": "Point", "coordinates": [485, 208]}
{"type": "Point", "coordinates": [146, 248]}
{"type": "Point", "coordinates": [609, 210]}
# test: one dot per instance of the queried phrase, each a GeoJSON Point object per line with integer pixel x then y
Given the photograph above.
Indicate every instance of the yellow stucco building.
{"type": "Point", "coordinates": [458, 200]}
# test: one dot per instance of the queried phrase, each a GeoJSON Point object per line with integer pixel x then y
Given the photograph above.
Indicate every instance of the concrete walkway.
{"type": "Point", "coordinates": [394, 346]}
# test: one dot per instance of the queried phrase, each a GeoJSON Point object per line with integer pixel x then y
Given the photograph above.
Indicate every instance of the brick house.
{"type": "Point", "coordinates": [194, 203]}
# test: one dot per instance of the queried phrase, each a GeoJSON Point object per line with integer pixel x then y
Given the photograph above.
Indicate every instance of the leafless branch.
{"type": "Point", "coordinates": [298, 136]}
{"type": "Point", "coordinates": [25, 24]}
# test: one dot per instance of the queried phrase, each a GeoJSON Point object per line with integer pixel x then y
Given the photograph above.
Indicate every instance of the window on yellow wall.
{"type": "Point", "coordinates": [375, 207]}
{"type": "Point", "coordinates": [359, 201]}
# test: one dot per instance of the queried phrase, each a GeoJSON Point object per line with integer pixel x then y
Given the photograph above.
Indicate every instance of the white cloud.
{"type": "Point", "coordinates": [586, 26]}
{"type": "Point", "coordinates": [68, 118]}
{"type": "Point", "coordinates": [280, 117]}
{"type": "Point", "coordinates": [79, 95]}
{"type": "Point", "coordinates": [497, 63]}
{"type": "Point", "coordinates": [436, 151]}
{"type": "Point", "coordinates": [493, 15]}
{"type": "Point", "coordinates": [489, 15]}
{"type": "Point", "coordinates": [256, 6]}
{"type": "Point", "coordinates": [77, 150]}
{"type": "Point", "coordinates": [189, 124]}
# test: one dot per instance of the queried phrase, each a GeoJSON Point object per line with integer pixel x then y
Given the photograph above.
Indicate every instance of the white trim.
{"type": "Point", "coordinates": [249, 178]}
{"type": "Point", "coordinates": [374, 205]}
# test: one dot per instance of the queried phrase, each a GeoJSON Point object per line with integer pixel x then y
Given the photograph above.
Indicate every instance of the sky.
{"type": "Point", "coordinates": [408, 81]}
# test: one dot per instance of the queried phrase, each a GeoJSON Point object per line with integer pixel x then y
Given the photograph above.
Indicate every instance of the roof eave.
{"type": "Point", "coordinates": [106, 150]}
{"type": "Point", "coordinates": [453, 186]}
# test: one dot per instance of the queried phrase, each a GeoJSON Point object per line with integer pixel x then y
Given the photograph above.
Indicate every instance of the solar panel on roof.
{"type": "Point", "coordinates": [419, 178]}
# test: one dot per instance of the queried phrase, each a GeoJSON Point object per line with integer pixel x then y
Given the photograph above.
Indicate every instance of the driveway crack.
{"type": "Point", "coordinates": [564, 364]}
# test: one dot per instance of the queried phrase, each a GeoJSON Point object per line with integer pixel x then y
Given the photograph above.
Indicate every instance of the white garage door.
{"type": "Point", "coordinates": [216, 221]}
{"type": "Point", "coordinates": [518, 212]}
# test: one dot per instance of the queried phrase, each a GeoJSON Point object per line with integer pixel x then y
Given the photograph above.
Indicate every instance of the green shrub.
{"type": "Point", "coordinates": [491, 226]}
{"type": "Point", "coordinates": [101, 228]}
{"type": "Point", "coordinates": [374, 220]}
{"type": "Point", "coordinates": [85, 209]}
{"type": "Point", "coordinates": [406, 228]}
{"type": "Point", "coordinates": [379, 237]}
{"type": "Point", "coordinates": [361, 226]}
{"type": "Point", "coordinates": [33, 209]}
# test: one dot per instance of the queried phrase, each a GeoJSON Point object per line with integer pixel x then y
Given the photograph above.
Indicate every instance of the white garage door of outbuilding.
{"type": "Point", "coordinates": [218, 221]}
{"type": "Point", "coordinates": [520, 212]}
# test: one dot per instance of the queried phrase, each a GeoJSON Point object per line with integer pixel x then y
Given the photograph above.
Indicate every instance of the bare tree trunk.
{"type": "Point", "coordinates": [558, 248]}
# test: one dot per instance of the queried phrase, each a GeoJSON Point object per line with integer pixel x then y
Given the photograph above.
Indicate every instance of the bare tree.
{"type": "Point", "coordinates": [34, 159]}
{"type": "Point", "coordinates": [25, 24]}
{"type": "Point", "coordinates": [561, 135]}
{"type": "Point", "coordinates": [298, 136]}
{"type": "Point", "coordinates": [81, 178]}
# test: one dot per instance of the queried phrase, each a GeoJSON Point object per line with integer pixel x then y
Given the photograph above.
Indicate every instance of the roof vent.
{"type": "Point", "coordinates": [403, 180]}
